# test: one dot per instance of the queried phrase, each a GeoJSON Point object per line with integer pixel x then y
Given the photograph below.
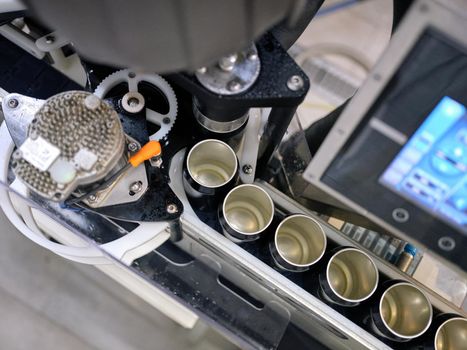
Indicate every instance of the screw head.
{"type": "Point", "coordinates": [156, 161]}
{"type": "Point", "coordinates": [295, 83]}
{"type": "Point", "coordinates": [202, 70]}
{"type": "Point", "coordinates": [172, 209]}
{"type": "Point", "coordinates": [49, 39]}
{"type": "Point", "coordinates": [136, 187]}
{"type": "Point", "coordinates": [13, 103]}
{"type": "Point", "coordinates": [133, 147]}
{"type": "Point", "coordinates": [92, 198]}
{"type": "Point", "coordinates": [247, 169]}
{"type": "Point", "coordinates": [166, 120]}
{"type": "Point", "coordinates": [234, 85]}
{"type": "Point", "coordinates": [17, 154]}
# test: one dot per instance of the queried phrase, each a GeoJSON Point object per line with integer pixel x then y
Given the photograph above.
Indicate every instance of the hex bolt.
{"type": "Point", "coordinates": [133, 147]}
{"type": "Point", "coordinates": [156, 161]}
{"type": "Point", "coordinates": [295, 83]}
{"type": "Point", "coordinates": [234, 86]}
{"type": "Point", "coordinates": [172, 209]}
{"type": "Point", "coordinates": [227, 63]}
{"type": "Point", "coordinates": [166, 120]}
{"type": "Point", "coordinates": [247, 169]}
{"type": "Point", "coordinates": [13, 103]}
{"type": "Point", "coordinates": [136, 187]}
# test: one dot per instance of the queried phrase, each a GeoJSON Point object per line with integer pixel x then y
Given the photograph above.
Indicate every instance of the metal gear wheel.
{"type": "Point", "coordinates": [133, 79]}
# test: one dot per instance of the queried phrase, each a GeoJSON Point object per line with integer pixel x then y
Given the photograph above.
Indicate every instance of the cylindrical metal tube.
{"type": "Point", "coordinates": [406, 257]}
{"type": "Point", "coordinates": [210, 171]}
{"type": "Point", "coordinates": [351, 277]}
{"type": "Point", "coordinates": [404, 261]}
{"type": "Point", "coordinates": [402, 313]}
{"type": "Point", "coordinates": [219, 120]}
{"type": "Point", "coordinates": [246, 212]}
{"type": "Point", "coordinates": [274, 131]}
{"type": "Point", "coordinates": [451, 334]}
{"type": "Point", "coordinates": [447, 332]}
{"type": "Point", "coordinates": [233, 138]}
{"type": "Point", "coordinates": [299, 242]}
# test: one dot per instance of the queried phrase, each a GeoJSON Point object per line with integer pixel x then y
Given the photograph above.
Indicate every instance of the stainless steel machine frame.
{"type": "Point", "coordinates": [267, 285]}
{"type": "Point", "coordinates": [264, 283]}
{"type": "Point", "coordinates": [281, 301]}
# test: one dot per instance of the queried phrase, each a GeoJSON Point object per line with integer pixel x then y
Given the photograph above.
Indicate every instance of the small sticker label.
{"type": "Point", "coordinates": [85, 159]}
{"type": "Point", "coordinates": [39, 153]}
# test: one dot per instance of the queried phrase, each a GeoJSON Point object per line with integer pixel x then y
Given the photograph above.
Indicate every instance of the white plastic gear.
{"type": "Point", "coordinates": [133, 78]}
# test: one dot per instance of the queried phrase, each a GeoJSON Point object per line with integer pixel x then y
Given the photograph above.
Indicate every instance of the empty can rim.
{"type": "Point", "coordinates": [443, 324]}
{"type": "Point", "coordinates": [269, 200]}
{"type": "Point", "coordinates": [372, 263]}
{"type": "Point", "coordinates": [321, 230]}
{"type": "Point", "coordinates": [389, 328]}
{"type": "Point", "coordinates": [224, 144]}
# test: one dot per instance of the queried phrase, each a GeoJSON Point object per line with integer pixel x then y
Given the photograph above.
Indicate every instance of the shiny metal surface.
{"type": "Point", "coordinates": [352, 275]}
{"type": "Point", "coordinates": [300, 240]}
{"type": "Point", "coordinates": [233, 74]}
{"type": "Point", "coordinates": [20, 117]}
{"type": "Point", "coordinates": [216, 126]}
{"type": "Point", "coordinates": [264, 282]}
{"type": "Point", "coordinates": [405, 310]}
{"type": "Point", "coordinates": [248, 209]}
{"type": "Point", "coordinates": [285, 203]}
{"type": "Point", "coordinates": [452, 335]}
{"type": "Point", "coordinates": [120, 190]}
{"type": "Point", "coordinates": [212, 163]}
{"type": "Point", "coordinates": [73, 139]}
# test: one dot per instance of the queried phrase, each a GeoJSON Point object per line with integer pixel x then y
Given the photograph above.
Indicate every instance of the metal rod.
{"type": "Point", "coordinates": [276, 126]}
{"type": "Point", "coordinates": [176, 231]}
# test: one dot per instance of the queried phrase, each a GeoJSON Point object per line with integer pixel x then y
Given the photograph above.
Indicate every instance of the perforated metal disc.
{"type": "Point", "coordinates": [75, 138]}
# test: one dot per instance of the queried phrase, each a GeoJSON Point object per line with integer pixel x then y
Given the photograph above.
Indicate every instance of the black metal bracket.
{"type": "Point", "coordinates": [270, 90]}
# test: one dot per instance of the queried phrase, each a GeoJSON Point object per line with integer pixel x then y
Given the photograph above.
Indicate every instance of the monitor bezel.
{"type": "Point", "coordinates": [423, 16]}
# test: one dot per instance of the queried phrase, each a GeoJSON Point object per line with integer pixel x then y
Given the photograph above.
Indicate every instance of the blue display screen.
{"type": "Point", "coordinates": [431, 168]}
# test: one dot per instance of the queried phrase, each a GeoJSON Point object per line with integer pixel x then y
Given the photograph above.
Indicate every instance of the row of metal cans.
{"type": "Point", "coordinates": [347, 276]}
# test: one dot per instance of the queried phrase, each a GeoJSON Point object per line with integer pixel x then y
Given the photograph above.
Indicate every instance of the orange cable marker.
{"type": "Point", "coordinates": [149, 150]}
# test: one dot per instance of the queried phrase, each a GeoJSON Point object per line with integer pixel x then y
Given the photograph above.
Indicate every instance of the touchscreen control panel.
{"type": "Point", "coordinates": [431, 169]}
